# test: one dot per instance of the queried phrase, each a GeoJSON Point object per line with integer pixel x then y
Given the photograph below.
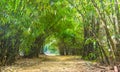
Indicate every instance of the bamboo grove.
{"type": "Point", "coordinates": [88, 28]}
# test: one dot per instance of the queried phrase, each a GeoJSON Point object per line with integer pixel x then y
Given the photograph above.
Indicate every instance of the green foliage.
{"type": "Point", "coordinates": [27, 25]}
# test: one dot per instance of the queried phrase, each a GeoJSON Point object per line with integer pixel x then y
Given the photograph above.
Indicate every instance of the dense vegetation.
{"type": "Point", "coordinates": [88, 28]}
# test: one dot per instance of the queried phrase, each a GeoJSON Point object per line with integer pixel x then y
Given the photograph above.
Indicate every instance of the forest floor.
{"type": "Point", "coordinates": [55, 64]}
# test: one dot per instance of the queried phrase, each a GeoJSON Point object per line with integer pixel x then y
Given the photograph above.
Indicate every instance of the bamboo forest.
{"type": "Point", "coordinates": [59, 35]}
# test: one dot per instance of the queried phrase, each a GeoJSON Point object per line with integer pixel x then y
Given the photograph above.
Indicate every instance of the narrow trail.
{"type": "Point", "coordinates": [54, 64]}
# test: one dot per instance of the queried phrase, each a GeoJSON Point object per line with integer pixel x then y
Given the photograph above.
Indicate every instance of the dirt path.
{"type": "Point", "coordinates": [54, 64]}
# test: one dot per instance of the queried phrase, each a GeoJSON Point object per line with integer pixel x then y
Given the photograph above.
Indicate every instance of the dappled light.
{"type": "Point", "coordinates": [59, 35]}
